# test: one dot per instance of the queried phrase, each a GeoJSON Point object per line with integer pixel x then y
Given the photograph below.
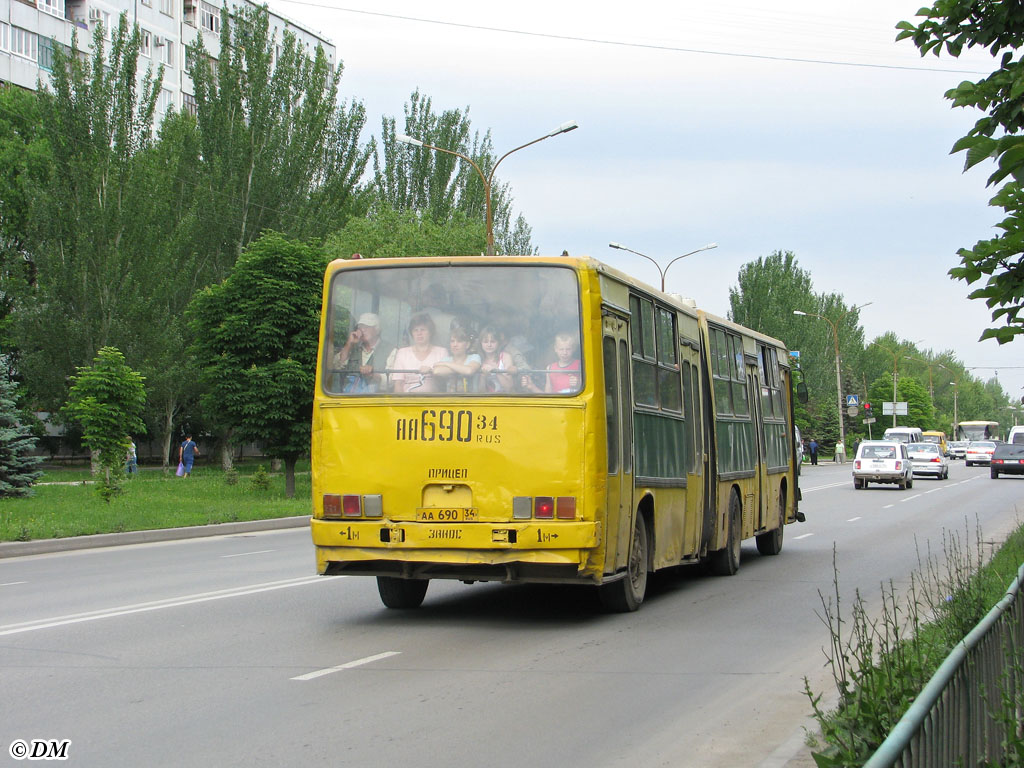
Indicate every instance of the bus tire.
{"type": "Point", "coordinates": [626, 594]}
{"type": "Point", "coordinates": [726, 561]}
{"type": "Point", "coordinates": [401, 594]}
{"type": "Point", "coordinates": [770, 543]}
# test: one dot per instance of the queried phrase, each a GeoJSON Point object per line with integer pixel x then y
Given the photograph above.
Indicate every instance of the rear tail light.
{"type": "Point", "coordinates": [544, 507]}
{"type": "Point", "coordinates": [937, 460]}
{"type": "Point", "coordinates": [332, 506]}
{"type": "Point", "coordinates": [351, 506]}
{"type": "Point", "coordinates": [566, 508]}
{"type": "Point", "coordinates": [997, 461]}
{"type": "Point", "coordinates": [856, 464]}
{"type": "Point", "coordinates": [899, 465]}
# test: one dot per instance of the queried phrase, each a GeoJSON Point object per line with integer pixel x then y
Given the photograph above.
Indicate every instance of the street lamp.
{"type": "Point", "coordinates": [956, 391]}
{"type": "Point", "coordinates": [565, 127]}
{"type": "Point", "coordinates": [839, 378]}
{"type": "Point", "coordinates": [663, 272]}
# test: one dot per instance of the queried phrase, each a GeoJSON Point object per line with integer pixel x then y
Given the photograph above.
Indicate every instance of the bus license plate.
{"type": "Point", "coordinates": [447, 515]}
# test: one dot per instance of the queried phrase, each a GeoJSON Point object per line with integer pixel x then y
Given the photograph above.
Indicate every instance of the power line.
{"type": "Point", "coordinates": [625, 44]}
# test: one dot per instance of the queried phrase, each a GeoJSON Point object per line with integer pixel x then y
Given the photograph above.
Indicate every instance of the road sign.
{"type": "Point", "coordinates": [901, 409]}
{"type": "Point", "coordinates": [852, 401]}
{"type": "Point", "coordinates": [851, 411]}
{"type": "Point", "coordinates": [870, 421]}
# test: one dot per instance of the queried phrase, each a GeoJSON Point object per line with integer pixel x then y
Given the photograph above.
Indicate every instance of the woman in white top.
{"type": "Point", "coordinates": [421, 356]}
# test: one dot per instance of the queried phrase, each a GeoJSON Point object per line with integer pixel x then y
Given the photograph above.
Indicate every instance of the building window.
{"type": "Point", "coordinates": [166, 49]}
{"type": "Point", "coordinates": [52, 7]}
{"type": "Point", "coordinates": [24, 43]}
{"type": "Point", "coordinates": [209, 17]}
{"type": "Point", "coordinates": [145, 43]}
{"type": "Point", "coordinates": [164, 101]}
{"type": "Point", "coordinates": [167, 7]}
{"type": "Point", "coordinates": [5, 36]}
{"type": "Point", "coordinates": [189, 104]}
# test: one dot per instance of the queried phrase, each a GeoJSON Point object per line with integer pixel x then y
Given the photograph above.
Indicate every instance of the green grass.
{"type": "Point", "coordinates": [151, 500]}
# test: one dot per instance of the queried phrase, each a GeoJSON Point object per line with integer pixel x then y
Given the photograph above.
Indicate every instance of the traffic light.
{"type": "Point", "coordinates": [867, 408]}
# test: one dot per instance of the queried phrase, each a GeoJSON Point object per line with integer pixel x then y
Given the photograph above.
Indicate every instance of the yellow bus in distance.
{"type": "Point", "coordinates": [533, 419]}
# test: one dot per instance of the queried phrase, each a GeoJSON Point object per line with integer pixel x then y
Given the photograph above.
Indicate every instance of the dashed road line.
{"type": "Point", "coordinates": [853, 519]}
{"type": "Point", "coordinates": [246, 554]}
{"type": "Point", "coordinates": [12, 583]}
{"type": "Point", "coordinates": [347, 665]}
{"type": "Point", "coordinates": [803, 536]}
{"type": "Point", "coordinates": [156, 605]}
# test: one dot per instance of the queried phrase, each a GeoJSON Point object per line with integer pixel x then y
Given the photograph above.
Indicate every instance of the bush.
{"type": "Point", "coordinates": [260, 479]}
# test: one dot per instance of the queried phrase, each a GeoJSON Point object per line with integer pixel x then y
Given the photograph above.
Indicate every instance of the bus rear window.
{"type": "Point", "coordinates": [475, 329]}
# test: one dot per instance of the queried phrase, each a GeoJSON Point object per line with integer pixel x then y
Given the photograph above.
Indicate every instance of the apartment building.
{"type": "Point", "coordinates": [29, 29]}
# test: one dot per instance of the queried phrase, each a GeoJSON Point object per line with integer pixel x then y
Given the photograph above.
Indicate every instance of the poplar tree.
{"type": "Point", "coordinates": [439, 185]}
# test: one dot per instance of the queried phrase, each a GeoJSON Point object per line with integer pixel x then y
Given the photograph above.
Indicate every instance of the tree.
{"type": "Point", "coordinates": [438, 185]}
{"type": "Point", "coordinates": [952, 25]}
{"type": "Point", "coordinates": [277, 150]}
{"type": "Point", "coordinates": [389, 232]}
{"type": "Point", "coordinates": [87, 222]}
{"type": "Point", "coordinates": [255, 344]}
{"type": "Point", "coordinates": [17, 466]}
{"type": "Point", "coordinates": [107, 399]}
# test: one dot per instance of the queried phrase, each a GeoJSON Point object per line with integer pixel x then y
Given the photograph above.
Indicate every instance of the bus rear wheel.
{"type": "Point", "coordinates": [770, 543]}
{"type": "Point", "coordinates": [402, 593]}
{"type": "Point", "coordinates": [627, 593]}
{"type": "Point", "coordinates": [726, 561]}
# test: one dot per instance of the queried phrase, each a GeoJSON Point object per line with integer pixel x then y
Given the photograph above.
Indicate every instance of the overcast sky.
{"type": "Point", "coordinates": [759, 126]}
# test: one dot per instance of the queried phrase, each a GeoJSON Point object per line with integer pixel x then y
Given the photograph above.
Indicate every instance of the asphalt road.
{"type": "Point", "coordinates": [231, 651]}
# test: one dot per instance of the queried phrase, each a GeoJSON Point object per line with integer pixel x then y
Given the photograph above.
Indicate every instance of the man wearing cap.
{"type": "Point", "coordinates": [364, 357]}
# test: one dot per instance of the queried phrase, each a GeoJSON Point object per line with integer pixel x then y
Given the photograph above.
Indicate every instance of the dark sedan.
{"type": "Point", "coordinates": [1007, 459]}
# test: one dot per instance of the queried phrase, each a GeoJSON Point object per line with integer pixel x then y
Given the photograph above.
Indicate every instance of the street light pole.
{"type": "Point", "coordinates": [839, 377]}
{"type": "Point", "coordinates": [487, 179]}
{"type": "Point", "coordinates": [662, 272]}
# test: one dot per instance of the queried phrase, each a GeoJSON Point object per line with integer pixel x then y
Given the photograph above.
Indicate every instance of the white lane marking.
{"type": "Point", "coordinates": [803, 536]}
{"type": "Point", "coordinates": [246, 554]}
{"type": "Point", "coordinates": [12, 583]}
{"type": "Point", "coordinates": [888, 506]}
{"type": "Point", "coordinates": [936, 490]}
{"type": "Point", "coordinates": [853, 519]}
{"type": "Point", "coordinates": [911, 498]}
{"type": "Point", "coordinates": [823, 487]}
{"type": "Point", "coordinates": [348, 665]}
{"type": "Point", "coordinates": [155, 605]}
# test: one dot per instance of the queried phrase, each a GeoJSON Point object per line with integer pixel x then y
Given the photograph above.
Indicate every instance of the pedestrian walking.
{"type": "Point", "coordinates": [840, 456]}
{"type": "Point", "coordinates": [186, 455]}
{"type": "Point", "coordinates": [814, 451]}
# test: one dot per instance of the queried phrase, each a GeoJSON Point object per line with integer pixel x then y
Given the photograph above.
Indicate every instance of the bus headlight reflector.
{"type": "Point", "coordinates": [522, 507]}
{"type": "Point", "coordinates": [373, 505]}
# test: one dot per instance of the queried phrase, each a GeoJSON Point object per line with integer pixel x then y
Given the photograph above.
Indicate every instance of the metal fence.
{"type": "Point", "coordinates": [972, 706]}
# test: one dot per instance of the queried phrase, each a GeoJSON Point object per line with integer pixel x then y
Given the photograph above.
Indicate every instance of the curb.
{"type": "Point", "coordinates": [45, 546]}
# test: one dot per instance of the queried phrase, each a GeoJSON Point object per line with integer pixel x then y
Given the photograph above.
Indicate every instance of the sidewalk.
{"type": "Point", "coordinates": [44, 546]}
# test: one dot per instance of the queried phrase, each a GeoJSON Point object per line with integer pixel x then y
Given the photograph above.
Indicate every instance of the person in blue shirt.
{"type": "Point", "coordinates": [814, 451]}
{"type": "Point", "coordinates": [187, 454]}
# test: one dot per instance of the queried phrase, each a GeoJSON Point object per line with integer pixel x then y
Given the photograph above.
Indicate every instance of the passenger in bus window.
{"type": "Point", "coordinates": [363, 358]}
{"type": "Point", "coordinates": [495, 363]}
{"type": "Point", "coordinates": [563, 375]}
{"type": "Point", "coordinates": [413, 365]}
{"type": "Point", "coordinates": [460, 367]}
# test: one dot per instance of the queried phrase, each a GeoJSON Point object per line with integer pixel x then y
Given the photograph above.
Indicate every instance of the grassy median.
{"type": "Point", "coordinates": [151, 500]}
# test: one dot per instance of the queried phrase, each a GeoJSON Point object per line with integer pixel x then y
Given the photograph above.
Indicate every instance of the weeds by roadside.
{"type": "Point", "coordinates": [879, 665]}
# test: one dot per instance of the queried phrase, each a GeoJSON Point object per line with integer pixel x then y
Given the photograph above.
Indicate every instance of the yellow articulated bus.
{"type": "Point", "coordinates": [532, 419]}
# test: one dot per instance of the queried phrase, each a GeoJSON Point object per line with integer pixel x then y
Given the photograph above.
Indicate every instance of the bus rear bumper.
{"type": "Point", "coordinates": [528, 551]}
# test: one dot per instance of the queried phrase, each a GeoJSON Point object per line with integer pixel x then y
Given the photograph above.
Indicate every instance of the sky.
{"type": "Point", "coordinates": [760, 126]}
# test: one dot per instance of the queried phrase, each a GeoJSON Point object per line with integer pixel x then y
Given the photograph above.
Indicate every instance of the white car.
{"type": "Point", "coordinates": [958, 448]}
{"type": "Point", "coordinates": [979, 452]}
{"type": "Point", "coordinates": [927, 459]}
{"type": "Point", "coordinates": [882, 461]}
